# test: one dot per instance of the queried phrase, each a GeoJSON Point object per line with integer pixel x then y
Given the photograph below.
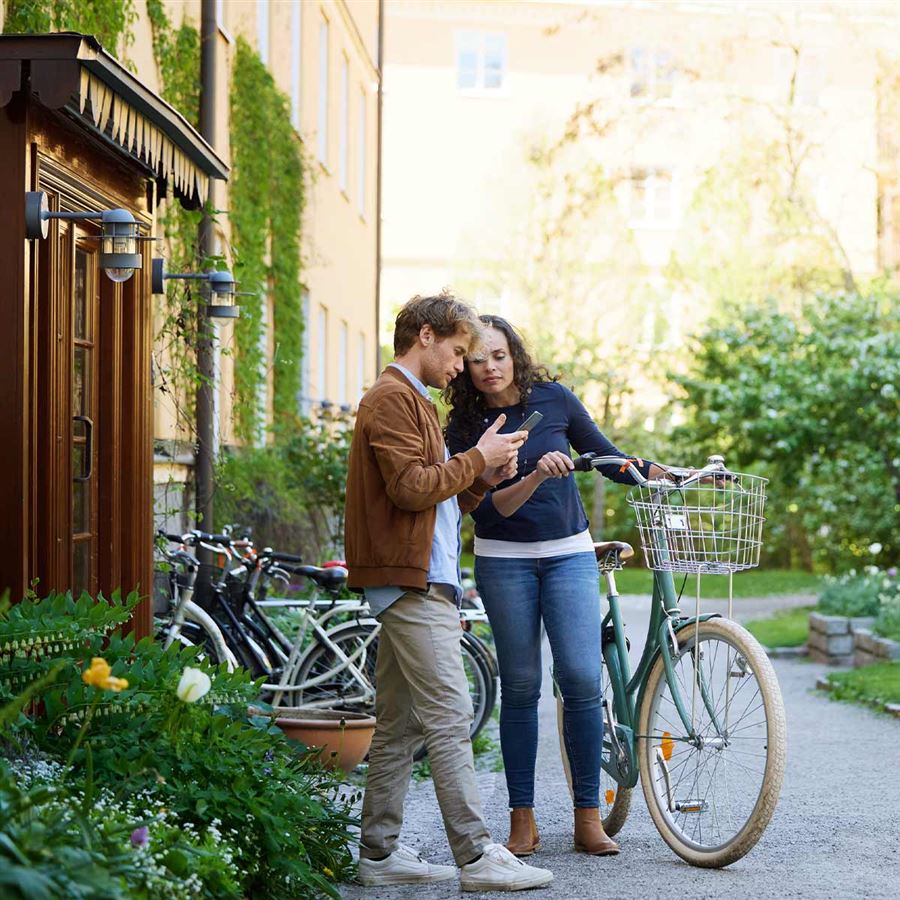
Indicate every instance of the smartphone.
{"type": "Point", "coordinates": [531, 421]}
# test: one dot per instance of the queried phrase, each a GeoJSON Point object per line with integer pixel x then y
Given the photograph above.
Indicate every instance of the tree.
{"type": "Point", "coordinates": [810, 400]}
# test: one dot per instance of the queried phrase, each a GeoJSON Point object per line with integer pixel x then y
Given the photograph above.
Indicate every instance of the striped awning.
{"type": "Point", "coordinates": [135, 133]}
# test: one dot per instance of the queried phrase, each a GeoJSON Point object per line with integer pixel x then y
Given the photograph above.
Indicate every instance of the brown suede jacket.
{"type": "Point", "coordinates": [397, 476]}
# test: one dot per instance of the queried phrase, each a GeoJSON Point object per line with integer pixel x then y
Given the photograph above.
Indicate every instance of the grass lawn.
{"type": "Point", "coordinates": [755, 583]}
{"type": "Point", "coordinates": [876, 685]}
{"type": "Point", "coordinates": [787, 628]}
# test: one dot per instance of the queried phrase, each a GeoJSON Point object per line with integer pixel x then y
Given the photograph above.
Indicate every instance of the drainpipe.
{"type": "Point", "coordinates": [203, 468]}
{"type": "Point", "coordinates": [378, 190]}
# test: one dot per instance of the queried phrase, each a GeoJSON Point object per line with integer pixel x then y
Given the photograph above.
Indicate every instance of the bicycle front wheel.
{"type": "Point", "coordinates": [712, 796]}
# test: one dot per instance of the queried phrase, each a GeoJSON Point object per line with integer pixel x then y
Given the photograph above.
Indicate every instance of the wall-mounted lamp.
{"type": "Point", "coordinates": [220, 296]}
{"type": "Point", "coordinates": [119, 233]}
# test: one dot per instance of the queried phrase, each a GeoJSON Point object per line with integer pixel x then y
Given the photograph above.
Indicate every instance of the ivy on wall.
{"type": "Point", "coordinates": [109, 20]}
{"type": "Point", "coordinates": [267, 197]}
{"type": "Point", "coordinates": [177, 55]}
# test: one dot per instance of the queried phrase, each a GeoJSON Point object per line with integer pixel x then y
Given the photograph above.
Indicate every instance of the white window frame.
{"type": "Point", "coordinates": [361, 366]}
{"type": "Point", "coordinates": [324, 60]}
{"type": "Point", "coordinates": [305, 361]}
{"type": "Point", "coordinates": [262, 390]}
{"type": "Point", "coordinates": [263, 28]}
{"type": "Point", "coordinates": [654, 178]}
{"type": "Point", "coordinates": [296, 57]}
{"type": "Point", "coordinates": [479, 40]}
{"type": "Point", "coordinates": [343, 362]}
{"type": "Point", "coordinates": [220, 21]}
{"type": "Point", "coordinates": [322, 353]}
{"type": "Point", "coordinates": [361, 146]}
{"type": "Point", "coordinates": [344, 126]}
{"type": "Point", "coordinates": [656, 77]}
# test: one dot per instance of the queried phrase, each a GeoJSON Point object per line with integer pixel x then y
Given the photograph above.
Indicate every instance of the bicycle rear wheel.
{"type": "Point", "coordinates": [342, 689]}
{"type": "Point", "coordinates": [615, 800]}
{"type": "Point", "coordinates": [712, 797]}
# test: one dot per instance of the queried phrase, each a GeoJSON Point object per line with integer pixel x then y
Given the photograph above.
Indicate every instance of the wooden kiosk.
{"type": "Point", "coordinates": [76, 438]}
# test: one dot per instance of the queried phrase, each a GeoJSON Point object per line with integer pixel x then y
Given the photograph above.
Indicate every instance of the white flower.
{"type": "Point", "coordinates": [875, 548]}
{"type": "Point", "coordinates": [194, 684]}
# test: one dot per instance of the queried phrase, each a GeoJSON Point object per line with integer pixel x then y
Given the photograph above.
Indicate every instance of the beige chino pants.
{"type": "Point", "coordinates": [421, 689]}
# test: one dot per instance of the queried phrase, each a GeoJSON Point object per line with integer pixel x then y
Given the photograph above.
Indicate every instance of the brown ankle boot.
{"type": "Point", "coordinates": [523, 833]}
{"type": "Point", "coordinates": [590, 836]}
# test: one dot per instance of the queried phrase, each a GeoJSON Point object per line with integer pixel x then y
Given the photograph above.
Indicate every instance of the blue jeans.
{"type": "Point", "coordinates": [564, 591]}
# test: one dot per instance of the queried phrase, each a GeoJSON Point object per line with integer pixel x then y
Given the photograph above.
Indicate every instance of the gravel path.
{"type": "Point", "coordinates": [835, 833]}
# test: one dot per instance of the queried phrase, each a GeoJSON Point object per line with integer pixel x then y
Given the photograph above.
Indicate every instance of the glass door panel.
{"type": "Point", "coordinates": [85, 301]}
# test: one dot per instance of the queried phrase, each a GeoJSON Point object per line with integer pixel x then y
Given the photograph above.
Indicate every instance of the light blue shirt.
{"type": "Point", "coordinates": [443, 567]}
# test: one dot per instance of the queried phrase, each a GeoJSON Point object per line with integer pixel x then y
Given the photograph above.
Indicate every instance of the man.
{"type": "Point", "coordinates": [402, 545]}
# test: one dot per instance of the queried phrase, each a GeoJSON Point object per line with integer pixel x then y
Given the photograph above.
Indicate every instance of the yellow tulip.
{"type": "Point", "coordinates": [99, 674]}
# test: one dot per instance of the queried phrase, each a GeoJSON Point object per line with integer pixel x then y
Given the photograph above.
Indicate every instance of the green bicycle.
{"type": "Point", "coordinates": [701, 721]}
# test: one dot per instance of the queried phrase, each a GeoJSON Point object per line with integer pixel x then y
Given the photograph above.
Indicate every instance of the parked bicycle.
{"type": "Point", "coordinates": [330, 659]}
{"type": "Point", "coordinates": [701, 721]}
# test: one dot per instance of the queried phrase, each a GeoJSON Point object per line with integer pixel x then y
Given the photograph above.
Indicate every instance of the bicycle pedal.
{"type": "Point", "coordinates": [691, 806]}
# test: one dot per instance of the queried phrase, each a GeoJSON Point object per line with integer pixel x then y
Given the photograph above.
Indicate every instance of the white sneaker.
{"type": "Point", "coordinates": [403, 866]}
{"type": "Point", "coordinates": [499, 870]}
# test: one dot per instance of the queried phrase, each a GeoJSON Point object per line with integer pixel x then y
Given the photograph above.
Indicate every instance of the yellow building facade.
{"type": "Point", "coordinates": [324, 57]}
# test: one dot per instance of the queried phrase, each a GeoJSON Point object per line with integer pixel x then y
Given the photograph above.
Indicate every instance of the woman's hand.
{"type": "Point", "coordinates": [554, 464]}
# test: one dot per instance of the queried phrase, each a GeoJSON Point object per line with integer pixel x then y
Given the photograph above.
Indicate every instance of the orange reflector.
{"type": "Point", "coordinates": [667, 746]}
{"type": "Point", "coordinates": [610, 797]}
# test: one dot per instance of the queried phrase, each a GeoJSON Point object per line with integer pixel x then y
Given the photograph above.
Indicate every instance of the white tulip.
{"type": "Point", "coordinates": [194, 684]}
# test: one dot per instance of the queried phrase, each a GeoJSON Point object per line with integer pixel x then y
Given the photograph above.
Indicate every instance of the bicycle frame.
{"type": "Point", "coordinates": [666, 620]}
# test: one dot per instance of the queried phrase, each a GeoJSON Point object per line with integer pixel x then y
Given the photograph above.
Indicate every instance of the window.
{"type": "Point", "coordinates": [220, 21]}
{"type": "Point", "coordinates": [343, 342]}
{"type": "Point", "coordinates": [652, 74]}
{"type": "Point", "coordinates": [480, 61]}
{"type": "Point", "coordinates": [323, 92]}
{"type": "Point", "coordinates": [262, 391]}
{"type": "Point", "coordinates": [344, 134]}
{"type": "Point", "coordinates": [650, 197]}
{"type": "Point", "coordinates": [296, 56]}
{"type": "Point", "coordinates": [361, 155]}
{"type": "Point", "coordinates": [361, 366]}
{"type": "Point", "coordinates": [322, 354]}
{"type": "Point", "coordinates": [305, 368]}
{"type": "Point", "coordinates": [262, 25]}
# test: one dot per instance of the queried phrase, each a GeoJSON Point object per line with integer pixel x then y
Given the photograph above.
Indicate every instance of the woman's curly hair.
{"type": "Point", "coordinates": [466, 402]}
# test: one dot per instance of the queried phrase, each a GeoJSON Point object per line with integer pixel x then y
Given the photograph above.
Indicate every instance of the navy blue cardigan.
{"type": "Point", "coordinates": [554, 509]}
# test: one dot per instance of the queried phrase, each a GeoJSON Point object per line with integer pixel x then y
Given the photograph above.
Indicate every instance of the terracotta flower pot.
{"type": "Point", "coordinates": [343, 736]}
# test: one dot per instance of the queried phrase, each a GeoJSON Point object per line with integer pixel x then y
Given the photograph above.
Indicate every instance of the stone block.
{"type": "Point", "coordinates": [823, 684]}
{"type": "Point", "coordinates": [863, 658]}
{"type": "Point", "coordinates": [863, 639]}
{"type": "Point", "coordinates": [820, 656]}
{"type": "Point", "coordinates": [861, 622]}
{"type": "Point", "coordinates": [828, 624]}
{"type": "Point", "coordinates": [832, 644]}
{"type": "Point", "coordinates": [893, 709]}
{"type": "Point", "coordinates": [885, 648]}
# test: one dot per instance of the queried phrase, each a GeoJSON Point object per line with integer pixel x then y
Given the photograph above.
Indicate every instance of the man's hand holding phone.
{"type": "Point", "coordinates": [499, 449]}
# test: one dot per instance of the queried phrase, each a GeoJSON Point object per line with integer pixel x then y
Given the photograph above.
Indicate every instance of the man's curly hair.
{"type": "Point", "coordinates": [444, 312]}
{"type": "Point", "coordinates": [466, 402]}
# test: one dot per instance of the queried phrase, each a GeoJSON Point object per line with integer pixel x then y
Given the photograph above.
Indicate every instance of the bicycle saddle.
{"type": "Point", "coordinates": [623, 550]}
{"type": "Point", "coordinates": [330, 578]}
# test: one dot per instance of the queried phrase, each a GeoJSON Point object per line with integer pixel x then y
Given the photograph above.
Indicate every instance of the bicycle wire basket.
{"type": "Point", "coordinates": [706, 528]}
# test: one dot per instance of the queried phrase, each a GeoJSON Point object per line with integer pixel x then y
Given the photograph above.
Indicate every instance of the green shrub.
{"type": "Point", "coordinates": [887, 624]}
{"type": "Point", "coordinates": [853, 594]}
{"type": "Point", "coordinates": [231, 807]}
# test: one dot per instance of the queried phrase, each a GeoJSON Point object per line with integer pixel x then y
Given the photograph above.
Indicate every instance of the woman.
{"type": "Point", "coordinates": [534, 562]}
